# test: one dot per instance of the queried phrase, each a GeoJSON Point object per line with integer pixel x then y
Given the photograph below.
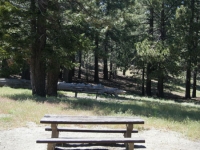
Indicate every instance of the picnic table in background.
{"type": "Point", "coordinates": [89, 88]}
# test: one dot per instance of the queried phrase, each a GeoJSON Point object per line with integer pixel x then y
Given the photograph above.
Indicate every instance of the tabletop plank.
{"type": "Point", "coordinates": [59, 119]}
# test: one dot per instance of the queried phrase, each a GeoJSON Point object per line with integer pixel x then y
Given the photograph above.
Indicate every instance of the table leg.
{"type": "Point", "coordinates": [130, 146]}
{"type": "Point", "coordinates": [76, 94]}
{"type": "Point", "coordinates": [96, 94]}
{"type": "Point", "coordinates": [54, 134]}
{"type": "Point", "coordinates": [129, 128]}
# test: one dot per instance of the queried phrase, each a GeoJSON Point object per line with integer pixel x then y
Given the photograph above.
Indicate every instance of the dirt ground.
{"type": "Point", "coordinates": [25, 139]}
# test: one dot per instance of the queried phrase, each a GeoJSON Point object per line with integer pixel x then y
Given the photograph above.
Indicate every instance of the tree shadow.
{"type": "Point", "coordinates": [136, 107]}
{"type": "Point", "coordinates": [170, 111]}
{"type": "Point", "coordinates": [104, 146]}
{"type": "Point", "coordinates": [27, 96]}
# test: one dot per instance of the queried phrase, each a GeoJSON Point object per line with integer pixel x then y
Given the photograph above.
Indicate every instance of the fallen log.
{"type": "Point", "coordinates": [15, 83]}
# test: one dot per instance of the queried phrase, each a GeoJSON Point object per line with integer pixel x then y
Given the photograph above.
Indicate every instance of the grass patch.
{"type": "Point", "coordinates": [18, 107]}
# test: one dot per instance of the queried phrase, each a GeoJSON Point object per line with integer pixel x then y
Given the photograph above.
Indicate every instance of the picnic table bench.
{"type": "Point", "coordinates": [55, 120]}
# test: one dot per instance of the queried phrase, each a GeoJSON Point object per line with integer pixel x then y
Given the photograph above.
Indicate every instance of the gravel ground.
{"type": "Point", "coordinates": [25, 139]}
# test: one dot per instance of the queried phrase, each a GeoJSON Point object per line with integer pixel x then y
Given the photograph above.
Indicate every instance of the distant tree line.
{"type": "Point", "coordinates": [161, 38]}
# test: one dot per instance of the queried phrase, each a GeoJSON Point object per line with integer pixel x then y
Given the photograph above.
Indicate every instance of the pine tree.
{"type": "Point", "coordinates": [187, 28]}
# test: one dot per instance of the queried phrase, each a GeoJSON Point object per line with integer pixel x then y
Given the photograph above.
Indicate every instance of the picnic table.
{"type": "Point", "coordinates": [55, 120]}
{"type": "Point", "coordinates": [89, 88]}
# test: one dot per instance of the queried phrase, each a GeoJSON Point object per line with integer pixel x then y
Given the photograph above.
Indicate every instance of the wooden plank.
{"type": "Point", "coordinates": [130, 141]}
{"type": "Point", "coordinates": [90, 120]}
{"type": "Point", "coordinates": [92, 140]}
{"type": "Point", "coordinates": [91, 130]}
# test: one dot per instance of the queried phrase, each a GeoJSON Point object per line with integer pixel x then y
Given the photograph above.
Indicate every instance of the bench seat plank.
{"type": "Point", "coordinates": [92, 140]}
{"type": "Point", "coordinates": [49, 119]}
{"type": "Point", "coordinates": [91, 130]}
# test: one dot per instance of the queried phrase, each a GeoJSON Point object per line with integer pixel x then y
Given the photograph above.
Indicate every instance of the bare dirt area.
{"type": "Point", "coordinates": [25, 139]}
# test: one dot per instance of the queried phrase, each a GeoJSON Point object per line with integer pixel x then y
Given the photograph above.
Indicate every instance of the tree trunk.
{"type": "Point", "coordinates": [143, 70]}
{"type": "Point", "coordinates": [111, 72]}
{"type": "Point", "coordinates": [105, 67]}
{"type": "Point", "coordinates": [5, 70]}
{"type": "Point", "coordinates": [73, 69]}
{"type": "Point", "coordinates": [67, 75]}
{"type": "Point", "coordinates": [52, 77]}
{"type": "Point", "coordinates": [190, 49]}
{"type": "Point", "coordinates": [37, 61]}
{"type": "Point", "coordinates": [194, 87]}
{"type": "Point", "coordinates": [26, 72]}
{"type": "Point", "coordinates": [148, 71]}
{"type": "Point", "coordinates": [96, 69]}
{"type": "Point", "coordinates": [188, 83]}
{"type": "Point", "coordinates": [70, 75]}
{"type": "Point", "coordinates": [160, 88]}
{"type": "Point", "coordinates": [79, 69]}
{"type": "Point", "coordinates": [111, 66]}
{"type": "Point", "coordinates": [195, 63]}
{"type": "Point", "coordinates": [124, 72]}
{"type": "Point", "coordinates": [148, 80]}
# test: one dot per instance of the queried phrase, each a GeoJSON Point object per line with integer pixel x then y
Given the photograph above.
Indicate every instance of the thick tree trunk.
{"type": "Point", "coordinates": [52, 77]}
{"type": "Point", "coordinates": [38, 76]}
{"type": "Point", "coordinates": [96, 68]}
{"type": "Point", "coordinates": [37, 61]}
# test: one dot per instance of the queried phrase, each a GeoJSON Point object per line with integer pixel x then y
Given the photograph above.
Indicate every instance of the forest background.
{"type": "Point", "coordinates": [45, 40]}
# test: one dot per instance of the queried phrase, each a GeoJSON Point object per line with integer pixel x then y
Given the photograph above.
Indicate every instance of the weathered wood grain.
{"type": "Point", "coordinates": [49, 119]}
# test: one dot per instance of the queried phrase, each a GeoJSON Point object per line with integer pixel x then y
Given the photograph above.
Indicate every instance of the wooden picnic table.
{"type": "Point", "coordinates": [95, 90]}
{"type": "Point", "coordinates": [55, 120]}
